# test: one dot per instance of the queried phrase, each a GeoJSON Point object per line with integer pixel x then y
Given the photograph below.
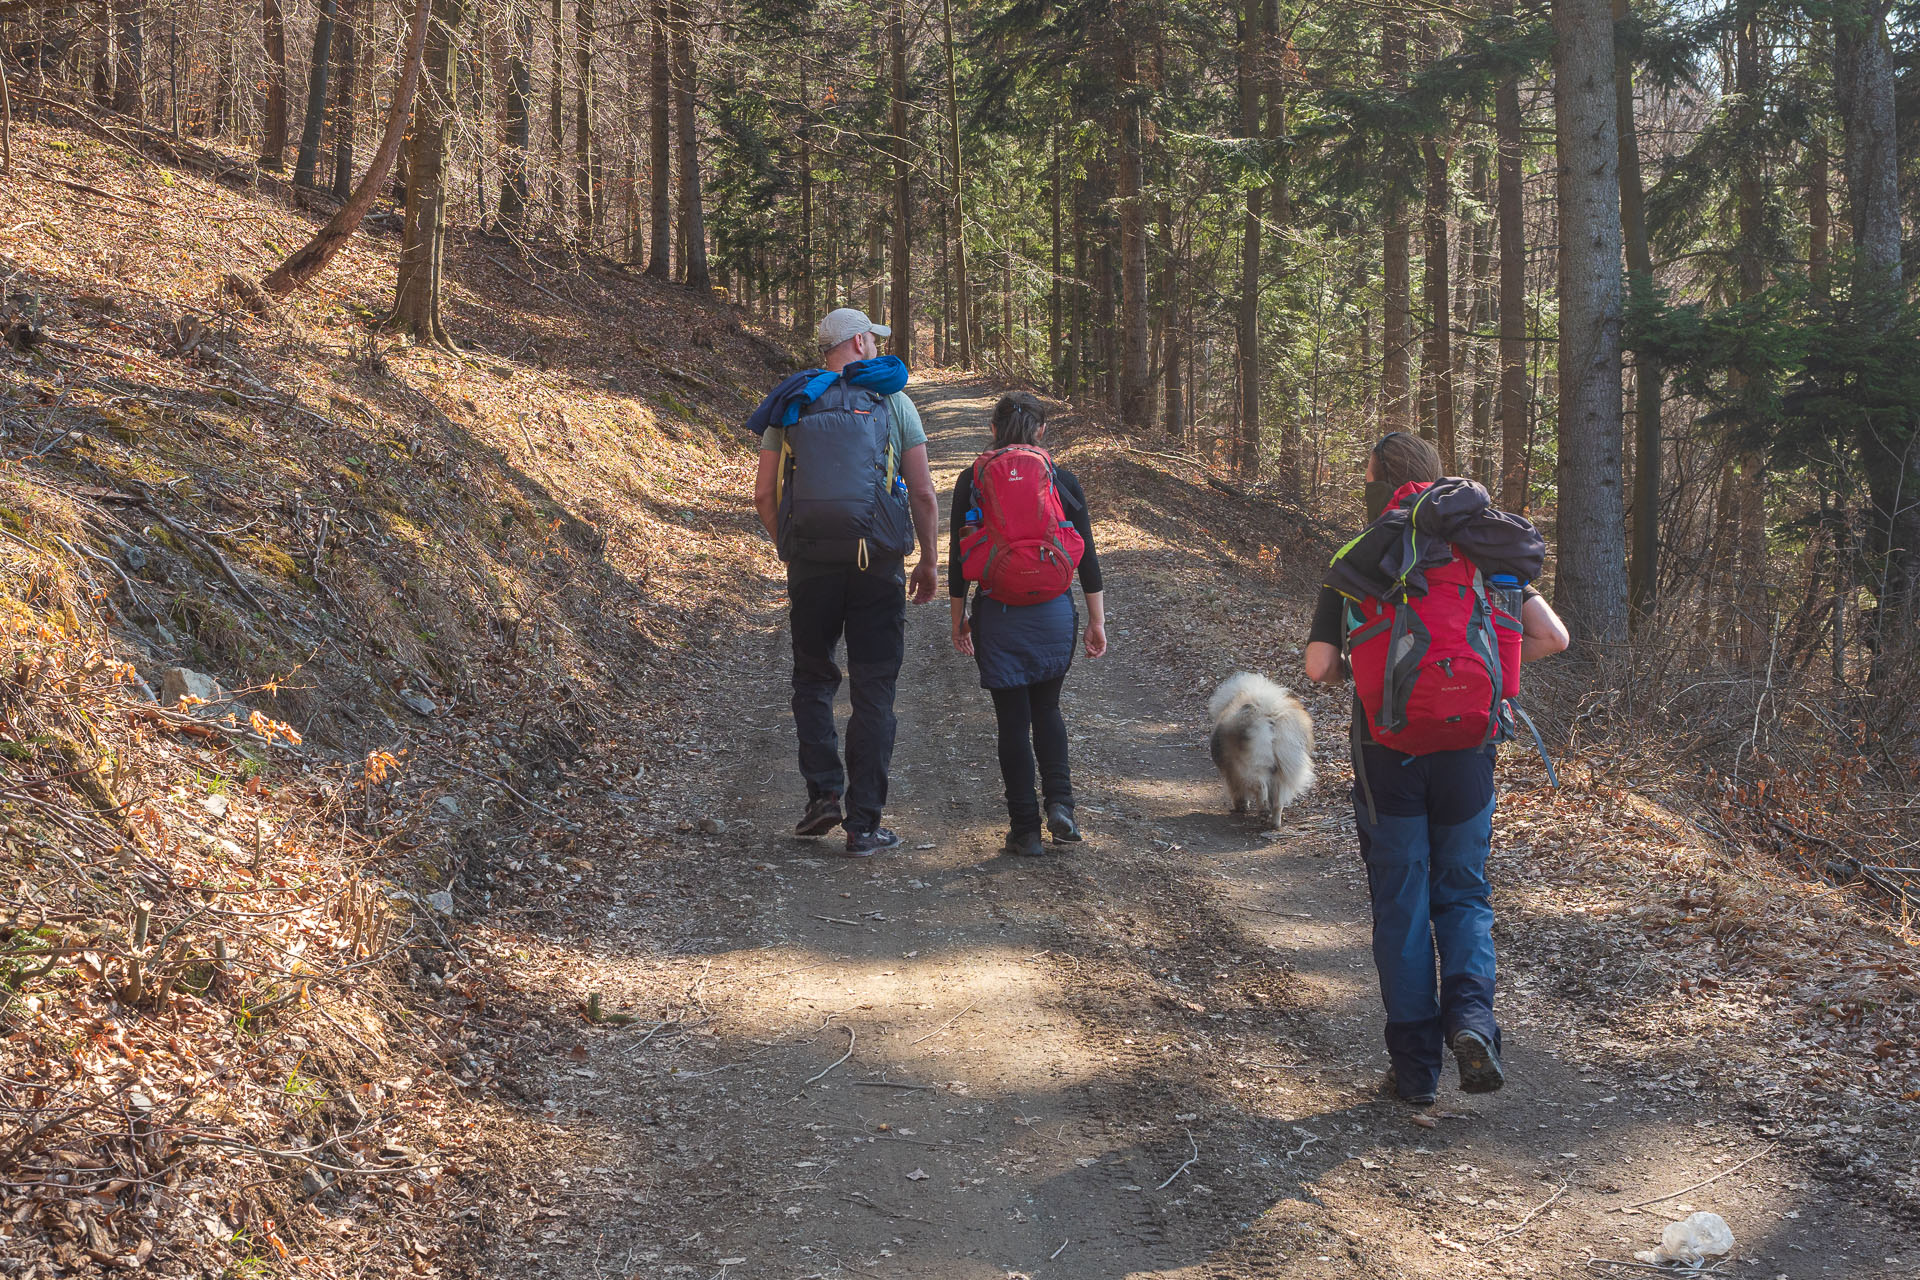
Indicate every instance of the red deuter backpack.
{"type": "Point", "coordinates": [1433, 671]}
{"type": "Point", "coordinates": [1019, 546]}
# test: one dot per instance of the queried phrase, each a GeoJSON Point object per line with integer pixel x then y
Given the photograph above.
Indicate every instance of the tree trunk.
{"type": "Point", "coordinates": [1479, 320]}
{"type": "Point", "coordinates": [659, 149]}
{"type": "Point", "coordinates": [306, 161]}
{"type": "Point", "coordinates": [1077, 304]}
{"type": "Point", "coordinates": [1136, 386]}
{"type": "Point", "coordinates": [1055, 315]}
{"type": "Point", "coordinates": [130, 60]}
{"type": "Point", "coordinates": [1396, 391]}
{"type": "Point", "coordinates": [514, 193]}
{"type": "Point", "coordinates": [1819, 217]}
{"type": "Point", "coordinates": [225, 76]}
{"type": "Point", "coordinates": [1643, 576]}
{"type": "Point", "coordinates": [312, 258]}
{"type": "Point", "coordinates": [1590, 589]}
{"type": "Point", "coordinates": [1863, 79]}
{"type": "Point", "coordinates": [1170, 334]}
{"type": "Point", "coordinates": [1104, 312]}
{"type": "Point", "coordinates": [586, 184]}
{"type": "Point", "coordinates": [901, 342]}
{"type": "Point", "coordinates": [346, 96]}
{"type": "Point", "coordinates": [416, 302]}
{"type": "Point", "coordinates": [557, 115]}
{"type": "Point", "coordinates": [1751, 600]}
{"type": "Point", "coordinates": [808, 313]}
{"type": "Point", "coordinates": [692, 226]}
{"type": "Point", "coordinates": [273, 146]}
{"type": "Point", "coordinates": [1247, 319]}
{"type": "Point", "coordinates": [103, 55]}
{"type": "Point", "coordinates": [1436, 365]}
{"type": "Point", "coordinates": [1280, 209]}
{"type": "Point", "coordinates": [1513, 292]}
{"type": "Point", "coordinates": [962, 305]}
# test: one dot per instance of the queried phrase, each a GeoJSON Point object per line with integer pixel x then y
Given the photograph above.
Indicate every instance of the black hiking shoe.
{"type": "Point", "coordinates": [864, 844]}
{"type": "Point", "coordinates": [1024, 844]}
{"type": "Point", "coordinates": [1060, 823]}
{"type": "Point", "coordinates": [1390, 1086]}
{"type": "Point", "coordinates": [1480, 1070]}
{"type": "Point", "coordinates": [822, 816]}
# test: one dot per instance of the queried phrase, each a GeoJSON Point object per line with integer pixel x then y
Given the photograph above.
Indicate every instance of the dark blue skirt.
{"type": "Point", "coordinates": [1019, 645]}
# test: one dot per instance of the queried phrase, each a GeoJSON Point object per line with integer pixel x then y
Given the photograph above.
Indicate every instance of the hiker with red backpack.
{"type": "Point", "coordinates": [1021, 531]}
{"type": "Point", "coordinates": [1432, 612]}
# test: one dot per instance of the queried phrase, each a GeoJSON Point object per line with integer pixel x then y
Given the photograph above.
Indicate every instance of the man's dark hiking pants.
{"type": "Point", "coordinates": [869, 607]}
{"type": "Point", "coordinates": [1425, 847]}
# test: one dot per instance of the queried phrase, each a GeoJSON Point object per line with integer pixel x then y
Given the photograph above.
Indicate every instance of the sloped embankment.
{"type": "Point", "coordinates": [405, 584]}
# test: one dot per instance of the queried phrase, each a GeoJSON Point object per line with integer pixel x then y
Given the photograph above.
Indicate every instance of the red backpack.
{"type": "Point", "coordinates": [1434, 672]}
{"type": "Point", "coordinates": [1019, 545]}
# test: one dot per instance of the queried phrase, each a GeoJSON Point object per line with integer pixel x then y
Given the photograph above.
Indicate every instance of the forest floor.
{"type": "Point", "coordinates": [530, 572]}
{"type": "Point", "coordinates": [1154, 1054]}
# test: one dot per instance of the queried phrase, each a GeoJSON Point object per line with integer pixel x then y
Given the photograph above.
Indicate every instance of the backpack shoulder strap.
{"type": "Point", "coordinates": [885, 415]}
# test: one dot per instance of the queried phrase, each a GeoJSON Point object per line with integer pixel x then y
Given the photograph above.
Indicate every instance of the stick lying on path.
{"type": "Point", "coordinates": [1641, 1204]}
{"type": "Point", "coordinates": [943, 1026]}
{"type": "Point", "coordinates": [837, 1061]}
{"type": "Point", "coordinates": [1182, 1169]}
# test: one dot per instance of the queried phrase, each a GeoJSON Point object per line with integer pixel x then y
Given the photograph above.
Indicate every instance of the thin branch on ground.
{"type": "Point", "coordinates": [837, 1061]}
{"type": "Point", "coordinates": [1188, 1164]}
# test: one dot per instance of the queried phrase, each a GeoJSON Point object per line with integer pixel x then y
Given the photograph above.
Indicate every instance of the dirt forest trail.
{"type": "Point", "coordinates": [1154, 1055]}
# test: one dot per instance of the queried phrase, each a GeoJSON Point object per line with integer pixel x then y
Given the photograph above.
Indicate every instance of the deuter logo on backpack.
{"type": "Point", "coordinates": [1019, 545]}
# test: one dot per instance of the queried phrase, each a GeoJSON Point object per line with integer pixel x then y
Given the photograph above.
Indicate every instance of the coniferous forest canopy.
{"type": "Point", "coordinates": [1645, 270]}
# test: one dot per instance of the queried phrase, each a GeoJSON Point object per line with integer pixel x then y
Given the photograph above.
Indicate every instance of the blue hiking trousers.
{"type": "Point", "coordinates": [1425, 847]}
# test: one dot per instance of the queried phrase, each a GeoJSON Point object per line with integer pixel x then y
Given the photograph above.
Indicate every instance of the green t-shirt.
{"type": "Point", "coordinates": [907, 431]}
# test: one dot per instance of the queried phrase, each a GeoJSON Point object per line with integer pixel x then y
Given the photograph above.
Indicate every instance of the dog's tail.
{"type": "Point", "coordinates": [1232, 687]}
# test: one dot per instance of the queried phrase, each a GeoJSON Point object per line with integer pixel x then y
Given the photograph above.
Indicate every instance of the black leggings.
{"type": "Point", "coordinates": [1030, 725]}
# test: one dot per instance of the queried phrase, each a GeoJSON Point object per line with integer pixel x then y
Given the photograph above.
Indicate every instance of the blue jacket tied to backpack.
{"type": "Point", "coordinates": [782, 406]}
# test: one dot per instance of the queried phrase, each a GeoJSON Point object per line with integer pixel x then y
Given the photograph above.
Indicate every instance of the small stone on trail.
{"type": "Point", "coordinates": [926, 844]}
{"type": "Point", "coordinates": [215, 805]}
{"type": "Point", "coordinates": [712, 827]}
{"type": "Point", "coordinates": [449, 804]}
{"type": "Point", "coordinates": [442, 901]}
{"type": "Point", "coordinates": [1425, 1122]}
{"type": "Point", "coordinates": [420, 702]}
{"type": "Point", "coordinates": [683, 825]}
{"type": "Point", "coordinates": [918, 1175]}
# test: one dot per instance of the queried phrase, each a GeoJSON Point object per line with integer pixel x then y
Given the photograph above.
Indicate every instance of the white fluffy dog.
{"type": "Point", "coordinates": [1262, 744]}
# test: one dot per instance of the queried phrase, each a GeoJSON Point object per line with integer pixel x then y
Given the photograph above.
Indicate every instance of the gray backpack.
{"type": "Point", "coordinates": [841, 494]}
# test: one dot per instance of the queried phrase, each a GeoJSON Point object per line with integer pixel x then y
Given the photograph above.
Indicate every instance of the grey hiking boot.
{"type": "Point", "coordinates": [1060, 823]}
{"type": "Point", "coordinates": [1480, 1070]}
{"type": "Point", "coordinates": [864, 844]}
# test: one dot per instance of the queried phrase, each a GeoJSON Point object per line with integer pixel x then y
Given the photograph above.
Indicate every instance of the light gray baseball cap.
{"type": "Point", "coordinates": [846, 322]}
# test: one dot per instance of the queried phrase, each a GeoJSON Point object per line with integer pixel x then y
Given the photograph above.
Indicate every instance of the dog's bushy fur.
{"type": "Point", "coordinates": [1262, 744]}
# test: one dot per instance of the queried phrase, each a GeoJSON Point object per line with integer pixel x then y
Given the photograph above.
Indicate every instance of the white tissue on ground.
{"type": "Point", "coordinates": [1691, 1241]}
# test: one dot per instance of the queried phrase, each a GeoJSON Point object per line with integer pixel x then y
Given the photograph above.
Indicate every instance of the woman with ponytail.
{"type": "Point", "coordinates": [1021, 636]}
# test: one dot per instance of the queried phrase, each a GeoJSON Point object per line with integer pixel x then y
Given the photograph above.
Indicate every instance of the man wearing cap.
{"type": "Point", "coordinates": [823, 422]}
